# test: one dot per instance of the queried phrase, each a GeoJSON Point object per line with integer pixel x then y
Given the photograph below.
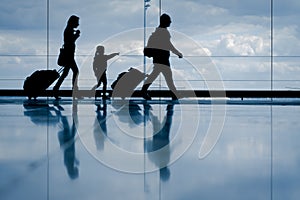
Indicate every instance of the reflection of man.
{"type": "Point", "coordinates": [100, 129]}
{"type": "Point", "coordinates": [160, 41]}
{"type": "Point", "coordinates": [66, 138]}
{"type": "Point", "coordinates": [158, 148]}
{"type": "Point", "coordinates": [129, 107]}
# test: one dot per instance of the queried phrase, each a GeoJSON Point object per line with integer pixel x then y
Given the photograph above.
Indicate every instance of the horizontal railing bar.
{"type": "Point", "coordinates": [167, 93]}
{"type": "Point", "coordinates": [140, 55]}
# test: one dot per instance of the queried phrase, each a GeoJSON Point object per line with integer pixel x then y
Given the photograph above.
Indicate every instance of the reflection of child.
{"type": "Point", "coordinates": [100, 66]}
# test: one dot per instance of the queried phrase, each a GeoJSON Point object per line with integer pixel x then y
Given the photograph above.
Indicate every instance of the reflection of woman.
{"type": "Point", "coordinates": [41, 114]}
{"type": "Point", "coordinates": [67, 142]}
{"type": "Point", "coordinates": [70, 36]}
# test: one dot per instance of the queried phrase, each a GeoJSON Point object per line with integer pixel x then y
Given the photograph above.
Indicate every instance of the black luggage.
{"type": "Point", "coordinates": [126, 83]}
{"type": "Point", "coordinates": [39, 81]}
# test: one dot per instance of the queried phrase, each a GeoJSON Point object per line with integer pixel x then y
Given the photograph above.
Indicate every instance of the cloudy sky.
{"type": "Point", "coordinates": [235, 36]}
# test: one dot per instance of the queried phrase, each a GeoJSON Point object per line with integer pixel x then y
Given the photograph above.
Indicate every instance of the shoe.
{"type": "Point", "coordinates": [76, 93]}
{"type": "Point", "coordinates": [94, 89]}
{"type": "Point", "coordinates": [146, 96]}
{"type": "Point", "coordinates": [55, 91]}
{"type": "Point", "coordinates": [79, 97]}
{"type": "Point", "coordinates": [174, 98]}
{"type": "Point", "coordinates": [75, 88]}
{"type": "Point", "coordinates": [105, 97]}
{"type": "Point", "coordinates": [57, 97]}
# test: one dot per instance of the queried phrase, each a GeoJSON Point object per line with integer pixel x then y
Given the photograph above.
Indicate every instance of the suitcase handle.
{"type": "Point", "coordinates": [60, 70]}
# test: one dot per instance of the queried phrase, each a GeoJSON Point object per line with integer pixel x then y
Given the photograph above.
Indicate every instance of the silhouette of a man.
{"type": "Point", "coordinates": [159, 148]}
{"type": "Point", "coordinates": [160, 40]}
{"type": "Point", "coordinates": [70, 37]}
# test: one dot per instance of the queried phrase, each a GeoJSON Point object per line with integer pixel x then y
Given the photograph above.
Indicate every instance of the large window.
{"type": "Point", "coordinates": [250, 44]}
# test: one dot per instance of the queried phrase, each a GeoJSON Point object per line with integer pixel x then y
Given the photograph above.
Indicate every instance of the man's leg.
{"type": "Point", "coordinates": [167, 72]}
{"type": "Point", "coordinates": [154, 74]}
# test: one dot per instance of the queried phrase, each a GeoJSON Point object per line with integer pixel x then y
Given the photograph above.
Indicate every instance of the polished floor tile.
{"type": "Point", "coordinates": [186, 149]}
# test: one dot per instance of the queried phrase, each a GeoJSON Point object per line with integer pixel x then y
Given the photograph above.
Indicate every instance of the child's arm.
{"type": "Point", "coordinates": [112, 55]}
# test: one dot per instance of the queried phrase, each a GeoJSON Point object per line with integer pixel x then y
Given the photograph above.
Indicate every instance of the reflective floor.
{"type": "Point", "coordinates": [160, 149]}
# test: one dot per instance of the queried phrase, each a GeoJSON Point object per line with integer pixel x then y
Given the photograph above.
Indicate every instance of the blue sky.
{"type": "Point", "coordinates": [221, 28]}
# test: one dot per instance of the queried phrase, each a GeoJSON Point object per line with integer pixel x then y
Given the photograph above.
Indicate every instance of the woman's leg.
{"type": "Point", "coordinates": [75, 71]}
{"type": "Point", "coordinates": [61, 78]}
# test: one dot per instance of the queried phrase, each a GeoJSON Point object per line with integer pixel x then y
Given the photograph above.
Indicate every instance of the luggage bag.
{"type": "Point", "coordinates": [126, 82]}
{"type": "Point", "coordinates": [39, 81]}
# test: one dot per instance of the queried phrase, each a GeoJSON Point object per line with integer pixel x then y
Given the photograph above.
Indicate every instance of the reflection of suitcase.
{"type": "Point", "coordinates": [126, 83]}
{"type": "Point", "coordinates": [39, 81]}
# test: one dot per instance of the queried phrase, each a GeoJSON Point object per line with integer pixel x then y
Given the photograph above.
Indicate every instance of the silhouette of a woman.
{"type": "Point", "coordinates": [70, 37]}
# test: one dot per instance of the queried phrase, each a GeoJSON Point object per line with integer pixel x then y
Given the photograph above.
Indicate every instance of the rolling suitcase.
{"type": "Point", "coordinates": [39, 81]}
{"type": "Point", "coordinates": [126, 82]}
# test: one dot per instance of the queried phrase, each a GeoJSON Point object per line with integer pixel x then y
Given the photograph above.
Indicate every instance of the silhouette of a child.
{"type": "Point", "coordinates": [100, 67]}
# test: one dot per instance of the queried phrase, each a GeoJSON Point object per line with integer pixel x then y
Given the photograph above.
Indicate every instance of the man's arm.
{"type": "Point", "coordinates": [171, 46]}
{"type": "Point", "coordinates": [175, 51]}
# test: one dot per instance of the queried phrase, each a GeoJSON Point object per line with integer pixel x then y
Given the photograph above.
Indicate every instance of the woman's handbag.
{"type": "Point", "coordinates": [62, 61]}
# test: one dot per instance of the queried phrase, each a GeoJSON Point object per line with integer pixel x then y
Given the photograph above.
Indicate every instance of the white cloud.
{"type": "Point", "coordinates": [22, 43]}
{"type": "Point", "coordinates": [125, 7]}
{"type": "Point", "coordinates": [243, 45]}
{"type": "Point", "coordinates": [286, 41]}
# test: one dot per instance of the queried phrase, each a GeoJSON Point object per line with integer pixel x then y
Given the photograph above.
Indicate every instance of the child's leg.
{"type": "Point", "coordinates": [104, 80]}
{"type": "Point", "coordinates": [98, 82]}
